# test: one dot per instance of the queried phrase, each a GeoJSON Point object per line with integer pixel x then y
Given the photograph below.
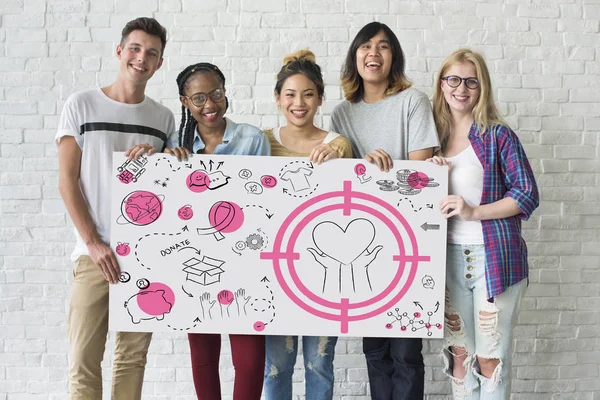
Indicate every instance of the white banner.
{"type": "Point", "coordinates": [279, 246]}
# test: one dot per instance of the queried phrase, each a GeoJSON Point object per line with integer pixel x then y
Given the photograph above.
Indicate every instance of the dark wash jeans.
{"type": "Point", "coordinates": [395, 367]}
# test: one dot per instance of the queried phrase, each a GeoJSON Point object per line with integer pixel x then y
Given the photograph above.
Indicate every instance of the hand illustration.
{"type": "Point", "coordinates": [206, 304]}
{"type": "Point", "coordinates": [365, 259]}
{"type": "Point", "coordinates": [225, 298]}
{"type": "Point", "coordinates": [323, 259]}
{"type": "Point", "coordinates": [346, 272]}
{"type": "Point", "coordinates": [240, 297]}
{"type": "Point", "coordinates": [326, 262]}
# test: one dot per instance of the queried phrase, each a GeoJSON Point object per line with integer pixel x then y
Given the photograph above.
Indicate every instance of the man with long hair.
{"type": "Point", "coordinates": [385, 119]}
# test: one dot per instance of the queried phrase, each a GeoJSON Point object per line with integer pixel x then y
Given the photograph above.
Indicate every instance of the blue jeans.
{"type": "Point", "coordinates": [318, 351]}
{"type": "Point", "coordinates": [395, 367]}
{"type": "Point", "coordinates": [476, 328]}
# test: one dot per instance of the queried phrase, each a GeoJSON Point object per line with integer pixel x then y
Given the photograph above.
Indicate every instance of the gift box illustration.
{"type": "Point", "coordinates": [204, 270]}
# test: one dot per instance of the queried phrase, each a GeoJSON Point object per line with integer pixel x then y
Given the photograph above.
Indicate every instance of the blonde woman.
{"type": "Point", "coordinates": [492, 188]}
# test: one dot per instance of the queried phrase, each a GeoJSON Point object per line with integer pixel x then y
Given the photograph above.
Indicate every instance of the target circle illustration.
{"type": "Point", "coordinates": [285, 254]}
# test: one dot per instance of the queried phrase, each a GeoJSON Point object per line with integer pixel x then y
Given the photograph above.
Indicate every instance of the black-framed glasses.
{"type": "Point", "coordinates": [198, 99]}
{"type": "Point", "coordinates": [454, 81]}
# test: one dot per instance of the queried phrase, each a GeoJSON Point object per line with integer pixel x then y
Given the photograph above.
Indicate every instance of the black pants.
{"type": "Point", "coordinates": [396, 369]}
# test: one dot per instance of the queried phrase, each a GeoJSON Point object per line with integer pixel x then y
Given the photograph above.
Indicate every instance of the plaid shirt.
{"type": "Point", "coordinates": [506, 173]}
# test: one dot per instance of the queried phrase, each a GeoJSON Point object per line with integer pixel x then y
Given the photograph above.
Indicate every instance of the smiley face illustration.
{"type": "Point", "coordinates": [122, 249]}
{"type": "Point", "coordinates": [198, 181]}
{"type": "Point", "coordinates": [185, 212]}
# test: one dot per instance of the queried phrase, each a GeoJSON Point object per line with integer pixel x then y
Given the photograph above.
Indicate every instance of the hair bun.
{"type": "Point", "coordinates": [300, 55]}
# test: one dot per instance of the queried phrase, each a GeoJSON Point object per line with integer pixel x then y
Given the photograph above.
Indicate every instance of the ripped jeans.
{"type": "Point", "coordinates": [318, 352]}
{"type": "Point", "coordinates": [479, 331]}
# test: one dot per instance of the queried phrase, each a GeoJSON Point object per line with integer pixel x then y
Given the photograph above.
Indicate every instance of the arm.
{"type": "Point", "coordinates": [422, 133]}
{"type": "Point", "coordinates": [522, 195]}
{"type": "Point", "coordinates": [69, 163]}
{"type": "Point", "coordinates": [343, 147]}
{"type": "Point", "coordinates": [384, 160]}
{"type": "Point", "coordinates": [421, 155]}
{"type": "Point", "coordinates": [517, 174]}
{"type": "Point", "coordinates": [503, 208]}
{"type": "Point", "coordinates": [339, 147]}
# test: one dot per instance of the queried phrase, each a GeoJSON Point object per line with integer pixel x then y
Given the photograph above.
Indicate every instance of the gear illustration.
{"type": "Point", "coordinates": [240, 245]}
{"type": "Point", "coordinates": [254, 241]}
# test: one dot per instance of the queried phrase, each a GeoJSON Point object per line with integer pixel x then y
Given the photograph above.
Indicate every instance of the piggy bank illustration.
{"type": "Point", "coordinates": [148, 304]}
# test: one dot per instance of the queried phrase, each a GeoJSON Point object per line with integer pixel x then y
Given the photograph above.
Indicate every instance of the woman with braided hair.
{"type": "Point", "coordinates": [205, 130]}
{"type": "Point", "coordinates": [299, 93]}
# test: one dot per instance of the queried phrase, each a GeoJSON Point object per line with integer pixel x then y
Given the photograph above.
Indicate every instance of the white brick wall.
{"type": "Point", "coordinates": [544, 57]}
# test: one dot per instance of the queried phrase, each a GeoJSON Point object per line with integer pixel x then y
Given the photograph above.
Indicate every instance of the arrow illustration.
{"type": "Point", "coordinates": [190, 247]}
{"type": "Point", "coordinates": [185, 229]}
{"type": "Point", "coordinates": [189, 294]}
{"type": "Point", "coordinates": [219, 164]}
{"type": "Point", "coordinates": [203, 165]}
{"type": "Point", "coordinates": [416, 303]}
{"type": "Point", "coordinates": [271, 305]}
{"type": "Point", "coordinates": [211, 164]}
{"type": "Point", "coordinates": [268, 213]}
{"type": "Point", "coordinates": [196, 322]}
{"type": "Point", "coordinates": [432, 227]}
{"type": "Point", "coordinates": [437, 306]}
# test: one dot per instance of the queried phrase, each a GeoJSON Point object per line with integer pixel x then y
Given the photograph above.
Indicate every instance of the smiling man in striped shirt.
{"type": "Point", "coordinates": [94, 124]}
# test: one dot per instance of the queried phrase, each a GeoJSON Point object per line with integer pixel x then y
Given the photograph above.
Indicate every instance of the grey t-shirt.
{"type": "Point", "coordinates": [398, 124]}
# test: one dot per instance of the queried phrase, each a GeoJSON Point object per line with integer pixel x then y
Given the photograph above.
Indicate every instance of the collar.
{"type": "Point", "coordinates": [230, 128]}
{"type": "Point", "coordinates": [474, 132]}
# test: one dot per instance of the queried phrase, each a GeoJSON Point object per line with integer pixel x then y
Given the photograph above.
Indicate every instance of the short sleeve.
{"type": "Point", "coordinates": [422, 133]}
{"type": "Point", "coordinates": [334, 125]}
{"type": "Point", "coordinates": [68, 124]}
{"type": "Point", "coordinates": [518, 175]}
